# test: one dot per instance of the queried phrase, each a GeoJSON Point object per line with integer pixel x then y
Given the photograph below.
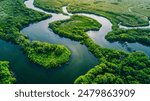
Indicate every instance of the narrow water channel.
{"type": "Point", "coordinates": [99, 36]}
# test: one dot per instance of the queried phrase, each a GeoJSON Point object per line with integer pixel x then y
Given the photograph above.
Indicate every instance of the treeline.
{"type": "Point", "coordinates": [6, 76]}
{"type": "Point", "coordinates": [48, 55]}
{"type": "Point", "coordinates": [133, 69]}
{"type": "Point", "coordinates": [119, 65]}
{"type": "Point", "coordinates": [115, 66]}
{"type": "Point", "coordinates": [131, 35]}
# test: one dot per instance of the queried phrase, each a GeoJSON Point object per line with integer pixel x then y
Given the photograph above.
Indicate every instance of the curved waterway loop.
{"type": "Point", "coordinates": [80, 62]}
{"type": "Point", "coordinates": [99, 36]}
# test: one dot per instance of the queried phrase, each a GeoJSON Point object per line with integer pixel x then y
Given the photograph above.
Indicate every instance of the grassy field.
{"type": "Point", "coordinates": [51, 5]}
{"type": "Point", "coordinates": [115, 66]}
{"type": "Point", "coordinates": [115, 10]}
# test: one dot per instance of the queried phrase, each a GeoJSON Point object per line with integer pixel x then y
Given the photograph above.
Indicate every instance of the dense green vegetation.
{"type": "Point", "coordinates": [115, 66]}
{"type": "Point", "coordinates": [6, 77]}
{"type": "Point", "coordinates": [13, 17]}
{"type": "Point", "coordinates": [48, 55]}
{"type": "Point", "coordinates": [132, 69]}
{"type": "Point", "coordinates": [132, 35]}
{"type": "Point", "coordinates": [75, 27]}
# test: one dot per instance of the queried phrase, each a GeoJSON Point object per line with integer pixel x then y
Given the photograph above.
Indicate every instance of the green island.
{"type": "Point", "coordinates": [6, 76]}
{"type": "Point", "coordinates": [75, 27]}
{"type": "Point", "coordinates": [48, 55]}
{"type": "Point", "coordinates": [114, 66]}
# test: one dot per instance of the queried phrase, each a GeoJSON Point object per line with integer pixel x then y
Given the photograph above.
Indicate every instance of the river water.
{"type": "Point", "coordinates": [99, 36]}
{"type": "Point", "coordinates": [27, 72]}
{"type": "Point", "coordinates": [81, 59]}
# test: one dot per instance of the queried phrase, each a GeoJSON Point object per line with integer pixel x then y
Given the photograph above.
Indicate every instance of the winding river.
{"type": "Point", "coordinates": [99, 36]}
{"type": "Point", "coordinates": [81, 59]}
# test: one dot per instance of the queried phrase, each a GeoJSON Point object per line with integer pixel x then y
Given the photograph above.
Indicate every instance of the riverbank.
{"type": "Point", "coordinates": [117, 60]}
{"type": "Point", "coordinates": [25, 18]}
{"type": "Point", "coordinates": [40, 31]}
{"type": "Point", "coordinates": [75, 27]}
{"type": "Point", "coordinates": [13, 20]}
{"type": "Point", "coordinates": [109, 59]}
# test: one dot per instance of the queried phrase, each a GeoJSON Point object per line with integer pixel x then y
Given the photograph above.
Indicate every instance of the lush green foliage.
{"type": "Point", "coordinates": [6, 77]}
{"type": "Point", "coordinates": [75, 27]}
{"type": "Point", "coordinates": [48, 55]}
{"type": "Point", "coordinates": [133, 69]}
{"type": "Point", "coordinates": [132, 35]}
{"type": "Point", "coordinates": [14, 16]}
{"type": "Point", "coordinates": [115, 66]}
